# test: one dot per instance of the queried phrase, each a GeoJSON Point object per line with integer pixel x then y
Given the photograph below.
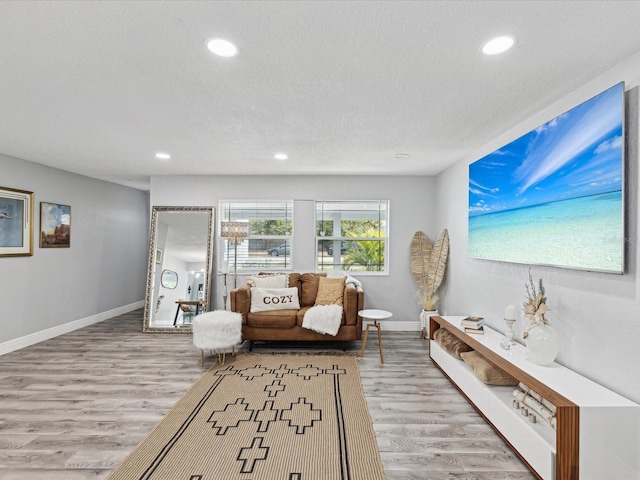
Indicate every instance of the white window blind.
{"type": "Point", "coordinates": [268, 246]}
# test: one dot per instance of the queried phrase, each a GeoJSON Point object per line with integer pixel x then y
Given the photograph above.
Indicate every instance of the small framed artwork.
{"type": "Point", "coordinates": [55, 225]}
{"type": "Point", "coordinates": [16, 222]}
{"type": "Point", "coordinates": [158, 255]}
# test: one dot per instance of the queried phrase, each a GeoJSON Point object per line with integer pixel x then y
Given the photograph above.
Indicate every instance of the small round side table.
{"type": "Point", "coordinates": [375, 316]}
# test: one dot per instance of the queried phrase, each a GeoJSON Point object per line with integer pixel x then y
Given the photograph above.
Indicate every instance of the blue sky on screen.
{"type": "Point", "coordinates": [576, 154]}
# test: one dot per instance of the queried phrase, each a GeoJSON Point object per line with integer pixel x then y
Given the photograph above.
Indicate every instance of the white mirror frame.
{"type": "Point", "coordinates": [147, 324]}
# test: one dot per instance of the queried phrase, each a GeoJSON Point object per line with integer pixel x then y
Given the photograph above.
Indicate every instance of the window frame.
{"type": "Point", "coordinates": [226, 248]}
{"type": "Point", "coordinates": [383, 206]}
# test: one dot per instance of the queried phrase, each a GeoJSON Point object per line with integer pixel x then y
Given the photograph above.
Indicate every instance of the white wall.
{"type": "Point", "coordinates": [102, 274]}
{"type": "Point", "coordinates": [411, 209]}
{"type": "Point", "coordinates": [596, 314]}
{"type": "Point", "coordinates": [104, 271]}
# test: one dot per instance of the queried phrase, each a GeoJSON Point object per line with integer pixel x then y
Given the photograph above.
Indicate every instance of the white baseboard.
{"type": "Point", "coordinates": [37, 337]}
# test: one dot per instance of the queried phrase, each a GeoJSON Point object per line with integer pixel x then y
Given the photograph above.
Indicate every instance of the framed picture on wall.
{"type": "Point", "coordinates": [16, 222]}
{"type": "Point", "coordinates": [158, 255]}
{"type": "Point", "coordinates": [55, 225]}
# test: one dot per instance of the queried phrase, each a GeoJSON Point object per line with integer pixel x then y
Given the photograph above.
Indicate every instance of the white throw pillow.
{"type": "Point", "coordinates": [268, 299]}
{"type": "Point", "coordinates": [269, 281]}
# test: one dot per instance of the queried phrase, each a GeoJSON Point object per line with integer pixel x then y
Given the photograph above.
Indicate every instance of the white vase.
{"type": "Point", "coordinates": [425, 316]}
{"type": "Point", "coordinates": [543, 344]}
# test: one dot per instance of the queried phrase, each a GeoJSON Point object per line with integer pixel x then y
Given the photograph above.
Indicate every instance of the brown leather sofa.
{"type": "Point", "coordinates": [287, 324]}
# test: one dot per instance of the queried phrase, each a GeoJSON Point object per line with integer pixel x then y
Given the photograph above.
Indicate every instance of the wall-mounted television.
{"type": "Point", "coordinates": [555, 196]}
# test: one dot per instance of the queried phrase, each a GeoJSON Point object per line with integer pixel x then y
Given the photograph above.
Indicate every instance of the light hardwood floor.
{"type": "Point", "coordinates": [72, 407]}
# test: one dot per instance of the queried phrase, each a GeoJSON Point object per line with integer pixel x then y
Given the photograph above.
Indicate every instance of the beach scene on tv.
{"type": "Point", "coordinates": [555, 195]}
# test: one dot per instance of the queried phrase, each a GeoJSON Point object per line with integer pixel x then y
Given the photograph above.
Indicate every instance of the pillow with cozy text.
{"type": "Point", "coordinates": [268, 299]}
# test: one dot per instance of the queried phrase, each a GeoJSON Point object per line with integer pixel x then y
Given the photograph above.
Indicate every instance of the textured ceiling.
{"type": "Point", "coordinates": [97, 87]}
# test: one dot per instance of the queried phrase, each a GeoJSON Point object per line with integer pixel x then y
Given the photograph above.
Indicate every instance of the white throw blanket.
{"type": "Point", "coordinates": [323, 319]}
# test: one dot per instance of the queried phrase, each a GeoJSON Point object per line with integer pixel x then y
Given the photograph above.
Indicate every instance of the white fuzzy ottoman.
{"type": "Point", "coordinates": [217, 331]}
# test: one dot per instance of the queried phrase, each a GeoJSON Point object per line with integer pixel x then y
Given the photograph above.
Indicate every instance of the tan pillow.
{"type": "Point", "coordinates": [330, 291]}
{"type": "Point", "coordinates": [450, 343]}
{"type": "Point", "coordinates": [486, 371]}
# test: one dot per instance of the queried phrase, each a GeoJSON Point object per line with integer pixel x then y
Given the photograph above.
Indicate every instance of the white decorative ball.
{"type": "Point", "coordinates": [543, 344]}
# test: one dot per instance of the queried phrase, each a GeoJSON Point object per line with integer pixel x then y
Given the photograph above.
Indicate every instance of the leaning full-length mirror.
{"type": "Point", "coordinates": [180, 262]}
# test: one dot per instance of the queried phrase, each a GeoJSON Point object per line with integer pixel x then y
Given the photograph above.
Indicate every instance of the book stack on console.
{"type": "Point", "coordinates": [473, 325]}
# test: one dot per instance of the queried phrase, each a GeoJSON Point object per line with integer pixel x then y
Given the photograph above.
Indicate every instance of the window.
{"type": "Point", "coordinates": [268, 246]}
{"type": "Point", "coordinates": [352, 235]}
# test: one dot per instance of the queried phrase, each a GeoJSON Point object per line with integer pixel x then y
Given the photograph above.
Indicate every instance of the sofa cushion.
{"type": "Point", "coordinates": [330, 291]}
{"type": "Point", "coordinates": [309, 288]}
{"type": "Point", "coordinates": [294, 279]}
{"type": "Point", "coordinates": [273, 319]}
{"type": "Point", "coordinates": [268, 281]}
{"type": "Point", "coordinates": [270, 299]}
{"type": "Point", "coordinates": [303, 310]}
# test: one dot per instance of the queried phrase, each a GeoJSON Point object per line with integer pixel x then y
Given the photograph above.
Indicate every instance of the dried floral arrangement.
{"type": "Point", "coordinates": [536, 305]}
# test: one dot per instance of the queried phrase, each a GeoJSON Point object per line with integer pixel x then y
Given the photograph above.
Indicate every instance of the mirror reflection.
{"type": "Point", "coordinates": [180, 260]}
{"type": "Point", "coordinates": [169, 279]}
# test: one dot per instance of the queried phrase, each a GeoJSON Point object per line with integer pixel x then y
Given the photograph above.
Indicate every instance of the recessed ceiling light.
{"type": "Point", "coordinates": [498, 45]}
{"type": "Point", "coordinates": [402, 155]}
{"type": "Point", "coordinates": [163, 156]}
{"type": "Point", "coordinates": [222, 47]}
{"type": "Point", "coordinates": [280, 156]}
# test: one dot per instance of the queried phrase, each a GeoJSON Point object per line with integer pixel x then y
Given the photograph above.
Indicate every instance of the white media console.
{"type": "Point", "coordinates": [597, 436]}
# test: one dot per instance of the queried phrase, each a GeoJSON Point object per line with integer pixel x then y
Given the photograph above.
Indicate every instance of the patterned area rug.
{"type": "Point", "coordinates": [264, 417]}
